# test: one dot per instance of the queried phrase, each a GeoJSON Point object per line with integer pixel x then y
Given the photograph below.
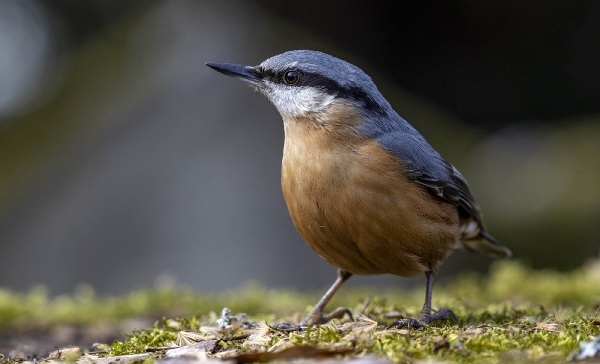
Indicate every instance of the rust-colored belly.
{"type": "Point", "coordinates": [351, 203]}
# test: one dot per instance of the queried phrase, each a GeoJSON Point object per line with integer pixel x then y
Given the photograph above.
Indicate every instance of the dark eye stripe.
{"type": "Point", "coordinates": [352, 93]}
{"type": "Point", "coordinates": [329, 85]}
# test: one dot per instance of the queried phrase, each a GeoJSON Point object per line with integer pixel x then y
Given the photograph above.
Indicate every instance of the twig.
{"type": "Point", "coordinates": [233, 338]}
{"type": "Point", "coordinates": [97, 352]}
{"type": "Point", "coordinates": [153, 350]}
{"type": "Point", "coordinates": [224, 339]}
{"type": "Point", "coordinates": [291, 329]}
{"type": "Point", "coordinates": [365, 305]}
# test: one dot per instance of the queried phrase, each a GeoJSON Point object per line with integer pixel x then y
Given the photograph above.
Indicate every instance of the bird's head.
{"type": "Point", "coordinates": [309, 84]}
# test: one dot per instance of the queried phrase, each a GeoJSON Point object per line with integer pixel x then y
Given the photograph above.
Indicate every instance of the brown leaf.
{"type": "Point", "coordinates": [173, 324]}
{"type": "Point", "coordinates": [290, 353]}
{"type": "Point", "coordinates": [187, 338]}
{"type": "Point", "coordinates": [282, 345]}
{"type": "Point", "coordinates": [260, 337]}
{"type": "Point", "coordinates": [61, 353]}
{"type": "Point", "coordinates": [194, 350]}
{"type": "Point", "coordinates": [123, 359]}
{"type": "Point", "coordinates": [551, 327]}
{"type": "Point", "coordinates": [362, 324]}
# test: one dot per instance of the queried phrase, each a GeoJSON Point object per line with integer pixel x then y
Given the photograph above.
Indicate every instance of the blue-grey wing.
{"type": "Point", "coordinates": [425, 166]}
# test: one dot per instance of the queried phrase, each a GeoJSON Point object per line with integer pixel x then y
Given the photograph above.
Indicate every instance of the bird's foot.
{"type": "Point", "coordinates": [316, 317]}
{"type": "Point", "coordinates": [423, 320]}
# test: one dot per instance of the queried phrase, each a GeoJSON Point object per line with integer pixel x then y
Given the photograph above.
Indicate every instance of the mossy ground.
{"type": "Point", "coordinates": [513, 313]}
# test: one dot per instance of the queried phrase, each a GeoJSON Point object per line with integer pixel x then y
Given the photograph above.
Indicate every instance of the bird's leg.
{"type": "Point", "coordinates": [425, 317]}
{"type": "Point", "coordinates": [316, 315]}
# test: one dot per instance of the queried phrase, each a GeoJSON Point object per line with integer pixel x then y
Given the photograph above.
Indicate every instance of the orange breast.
{"type": "Point", "coordinates": [349, 200]}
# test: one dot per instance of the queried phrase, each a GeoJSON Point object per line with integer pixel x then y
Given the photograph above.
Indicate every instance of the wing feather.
{"type": "Point", "coordinates": [425, 166]}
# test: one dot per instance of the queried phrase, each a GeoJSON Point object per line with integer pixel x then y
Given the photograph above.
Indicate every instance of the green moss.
{"type": "Point", "coordinates": [501, 331]}
{"type": "Point", "coordinates": [513, 314]}
{"type": "Point", "coordinates": [71, 358]}
{"type": "Point", "coordinates": [139, 340]}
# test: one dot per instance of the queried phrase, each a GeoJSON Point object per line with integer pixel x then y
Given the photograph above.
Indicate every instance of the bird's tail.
{"type": "Point", "coordinates": [485, 244]}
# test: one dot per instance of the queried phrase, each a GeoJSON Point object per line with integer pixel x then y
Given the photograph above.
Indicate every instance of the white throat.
{"type": "Point", "coordinates": [297, 101]}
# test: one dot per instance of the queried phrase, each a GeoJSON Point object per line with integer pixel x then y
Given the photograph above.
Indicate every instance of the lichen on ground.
{"type": "Point", "coordinates": [512, 314]}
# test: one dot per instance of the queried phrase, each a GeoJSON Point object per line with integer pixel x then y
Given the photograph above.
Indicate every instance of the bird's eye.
{"type": "Point", "coordinates": [291, 77]}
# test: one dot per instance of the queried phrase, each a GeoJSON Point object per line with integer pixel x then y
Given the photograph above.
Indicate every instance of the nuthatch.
{"type": "Point", "coordinates": [363, 187]}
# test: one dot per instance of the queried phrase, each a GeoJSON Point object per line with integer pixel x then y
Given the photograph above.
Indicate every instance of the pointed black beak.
{"type": "Point", "coordinates": [243, 73]}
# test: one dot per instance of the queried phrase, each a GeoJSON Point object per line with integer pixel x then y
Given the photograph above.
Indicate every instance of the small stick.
{"type": "Point", "coordinates": [97, 352]}
{"type": "Point", "coordinates": [153, 350]}
{"type": "Point", "coordinates": [232, 338]}
{"type": "Point", "coordinates": [365, 305]}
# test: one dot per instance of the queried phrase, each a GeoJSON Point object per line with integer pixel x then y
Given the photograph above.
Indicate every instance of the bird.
{"type": "Point", "coordinates": [363, 187]}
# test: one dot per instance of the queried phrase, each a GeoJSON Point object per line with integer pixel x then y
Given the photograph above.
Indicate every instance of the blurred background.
{"type": "Point", "coordinates": [124, 161]}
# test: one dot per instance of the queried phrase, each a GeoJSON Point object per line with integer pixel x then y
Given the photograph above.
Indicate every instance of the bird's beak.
{"type": "Point", "coordinates": [243, 73]}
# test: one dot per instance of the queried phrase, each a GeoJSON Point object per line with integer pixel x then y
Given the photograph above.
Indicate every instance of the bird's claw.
{"type": "Point", "coordinates": [316, 318]}
{"type": "Point", "coordinates": [422, 321]}
{"type": "Point", "coordinates": [408, 323]}
{"type": "Point", "coordinates": [444, 314]}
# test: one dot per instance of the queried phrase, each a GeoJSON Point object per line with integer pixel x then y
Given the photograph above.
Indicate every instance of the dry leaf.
{"type": "Point", "coordinates": [282, 344]}
{"type": "Point", "coordinates": [259, 339]}
{"type": "Point", "coordinates": [223, 357]}
{"type": "Point", "coordinates": [362, 318]}
{"type": "Point", "coordinates": [61, 353]}
{"type": "Point", "coordinates": [361, 325]}
{"type": "Point", "coordinates": [174, 324]}
{"type": "Point", "coordinates": [211, 330]}
{"type": "Point", "coordinates": [290, 353]}
{"type": "Point", "coordinates": [195, 350]}
{"type": "Point", "coordinates": [185, 338]}
{"type": "Point", "coordinates": [551, 327]}
{"type": "Point", "coordinates": [123, 359]}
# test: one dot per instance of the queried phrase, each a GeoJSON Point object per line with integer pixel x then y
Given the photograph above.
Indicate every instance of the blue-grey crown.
{"type": "Point", "coordinates": [330, 74]}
